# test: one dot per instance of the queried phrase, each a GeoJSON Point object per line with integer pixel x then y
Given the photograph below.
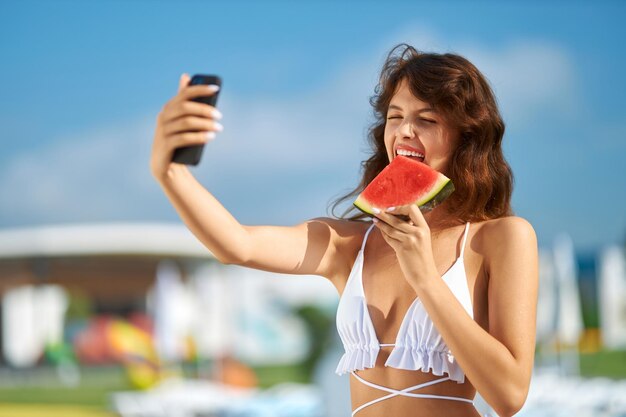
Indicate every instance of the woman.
{"type": "Point", "coordinates": [433, 308]}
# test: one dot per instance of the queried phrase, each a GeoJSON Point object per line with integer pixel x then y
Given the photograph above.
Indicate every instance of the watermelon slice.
{"type": "Point", "coordinates": [402, 183]}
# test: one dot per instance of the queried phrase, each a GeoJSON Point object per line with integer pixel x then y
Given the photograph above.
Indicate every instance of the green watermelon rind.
{"type": "Point", "coordinates": [443, 188]}
{"type": "Point", "coordinates": [438, 197]}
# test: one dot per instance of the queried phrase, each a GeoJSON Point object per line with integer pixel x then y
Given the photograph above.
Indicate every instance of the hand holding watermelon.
{"type": "Point", "coordinates": [410, 241]}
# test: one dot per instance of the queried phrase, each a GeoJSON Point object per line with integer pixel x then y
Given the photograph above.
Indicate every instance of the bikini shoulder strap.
{"type": "Point", "coordinates": [365, 238]}
{"type": "Point", "coordinates": [464, 239]}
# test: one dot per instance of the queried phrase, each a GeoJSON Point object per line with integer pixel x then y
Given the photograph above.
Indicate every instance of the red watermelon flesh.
{"type": "Point", "coordinates": [404, 182]}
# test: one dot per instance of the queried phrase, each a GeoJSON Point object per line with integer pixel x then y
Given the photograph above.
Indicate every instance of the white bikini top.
{"type": "Point", "coordinates": [418, 343]}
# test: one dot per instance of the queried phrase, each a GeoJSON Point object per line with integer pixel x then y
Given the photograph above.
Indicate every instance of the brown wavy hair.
{"type": "Point", "coordinates": [456, 89]}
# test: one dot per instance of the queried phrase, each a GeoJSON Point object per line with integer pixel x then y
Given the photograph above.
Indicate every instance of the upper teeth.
{"type": "Point", "coordinates": [409, 153]}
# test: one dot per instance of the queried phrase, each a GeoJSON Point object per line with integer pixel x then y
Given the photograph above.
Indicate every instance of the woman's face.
{"type": "Point", "coordinates": [412, 126]}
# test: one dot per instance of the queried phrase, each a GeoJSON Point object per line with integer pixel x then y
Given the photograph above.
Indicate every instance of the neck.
{"type": "Point", "coordinates": [440, 218]}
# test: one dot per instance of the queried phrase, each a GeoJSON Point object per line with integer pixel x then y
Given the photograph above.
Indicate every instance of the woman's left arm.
{"type": "Point", "coordinates": [498, 362]}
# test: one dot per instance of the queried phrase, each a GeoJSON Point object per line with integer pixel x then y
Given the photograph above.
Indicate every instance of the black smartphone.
{"type": "Point", "coordinates": [190, 155]}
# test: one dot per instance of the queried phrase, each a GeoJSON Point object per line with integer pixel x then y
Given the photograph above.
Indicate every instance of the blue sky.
{"type": "Point", "coordinates": [82, 82]}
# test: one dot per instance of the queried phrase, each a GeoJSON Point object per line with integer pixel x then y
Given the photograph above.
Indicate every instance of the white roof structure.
{"type": "Point", "coordinates": [153, 239]}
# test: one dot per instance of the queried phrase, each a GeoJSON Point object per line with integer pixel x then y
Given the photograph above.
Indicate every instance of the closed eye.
{"type": "Point", "coordinates": [421, 119]}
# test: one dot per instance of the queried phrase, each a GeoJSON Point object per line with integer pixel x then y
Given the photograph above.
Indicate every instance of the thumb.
{"type": "Point", "coordinates": [183, 81]}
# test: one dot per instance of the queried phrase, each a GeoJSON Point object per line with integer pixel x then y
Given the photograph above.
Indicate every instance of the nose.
{"type": "Point", "coordinates": [406, 129]}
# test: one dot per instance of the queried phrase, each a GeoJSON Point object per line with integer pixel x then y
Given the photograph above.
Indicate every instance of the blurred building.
{"type": "Point", "coordinates": [198, 306]}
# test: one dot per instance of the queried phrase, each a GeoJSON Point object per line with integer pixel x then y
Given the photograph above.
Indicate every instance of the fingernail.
{"type": "Point", "coordinates": [216, 114]}
{"type": "Point", "coordinates": [213, 87]}
{"type": "Point", "coordinates": [391, 209]}
{"type": "Point", "coordinates": [375, 210]}
{"type": "Point", "coordinates": [210, 135]}
{"type": "Point", "coordinates": [219, 127]}
{"type": "Point", "coordinates": [375, 220]}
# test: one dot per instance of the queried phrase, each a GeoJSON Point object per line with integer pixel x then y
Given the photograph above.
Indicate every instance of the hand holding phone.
{"type": "Point", "coordinates": [191, 155]}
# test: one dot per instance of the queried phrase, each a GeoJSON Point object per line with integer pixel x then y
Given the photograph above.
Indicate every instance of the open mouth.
{"type": "Point", "coordinates": [418, 156]}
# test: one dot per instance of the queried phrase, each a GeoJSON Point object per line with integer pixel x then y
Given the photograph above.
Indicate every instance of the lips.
{"type": "Point", "coordinates": [410, 152]}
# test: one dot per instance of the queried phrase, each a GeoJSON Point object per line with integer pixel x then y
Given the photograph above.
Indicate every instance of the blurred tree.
{"type": "Point", "coordinates": [319, 327]}
{"type": "Point", "coordinates": [79, 306]}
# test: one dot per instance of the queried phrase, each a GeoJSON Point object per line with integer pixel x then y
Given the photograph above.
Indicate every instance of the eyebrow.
{"type": "Point", "coordinates": [427, 109]}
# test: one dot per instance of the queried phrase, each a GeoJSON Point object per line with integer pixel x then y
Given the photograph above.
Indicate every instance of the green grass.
{"type": "Point", "coordinates": [97, 383]}
{"type": "Point", "coordinates": [271, 375]}
{"type": "Point", "coordinates": [52, 410]}
{"type": "Point", "coordinates": [610, 364]}
{"type": "Point", "coordinates": [90, 396]}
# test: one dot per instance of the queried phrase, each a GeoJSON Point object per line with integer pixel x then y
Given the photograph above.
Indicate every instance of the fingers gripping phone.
{"type": "Point", "coordinates": [190, 155]}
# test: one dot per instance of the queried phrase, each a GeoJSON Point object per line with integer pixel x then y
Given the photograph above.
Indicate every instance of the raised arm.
{"type": "Point", "coordinates": [307, 248]}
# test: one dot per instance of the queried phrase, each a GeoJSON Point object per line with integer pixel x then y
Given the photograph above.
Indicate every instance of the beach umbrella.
{"type": "Point", "coordinates": [612, 293]}
{"type": "Point", "coordinates": [569, 315]}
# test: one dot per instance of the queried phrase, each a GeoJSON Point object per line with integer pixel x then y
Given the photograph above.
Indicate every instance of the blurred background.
{"type": "Point", "coordinates": [109, 306]}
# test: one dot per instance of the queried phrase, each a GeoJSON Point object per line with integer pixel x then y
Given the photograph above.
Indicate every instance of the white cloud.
{"type": "Point", "coordinates": [533, 80]}
{"type": "Point", "coordinates": [78, 178]}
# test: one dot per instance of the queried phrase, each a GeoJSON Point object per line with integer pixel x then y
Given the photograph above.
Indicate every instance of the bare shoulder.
{"type": "Point", "coordinates": [507, 228]}
{"type": "Point", "coordinates": [508, 238]}
{"type": "Point", "coordinates": [346, 237]}
{"type": "Point", "coordinates": [493, 233]}
{"type": "Point", "coordinates": [346, 234]}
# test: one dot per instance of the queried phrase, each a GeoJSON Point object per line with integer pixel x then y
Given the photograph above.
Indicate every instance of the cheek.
{"type": "Point", "coordinates": [448, 147]}
{"type": "Point", "coordinates": [439, 143]}
{"type": "Point", "coordinates": [444, 151]}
